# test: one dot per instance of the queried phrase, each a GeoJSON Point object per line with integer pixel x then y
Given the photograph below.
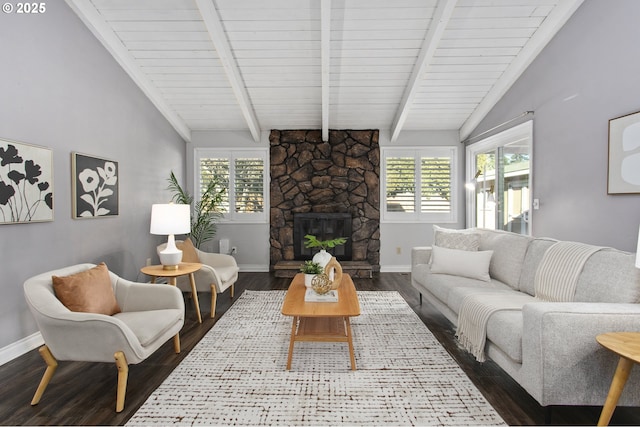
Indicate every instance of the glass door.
{"type": "Point", "coordinates": [499, 181]}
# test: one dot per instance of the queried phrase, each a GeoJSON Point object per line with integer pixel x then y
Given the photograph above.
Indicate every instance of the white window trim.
{"type": "Point", "coordinates": [231, 154]}
{"type": "Point", "coordinates": [419, 217]}
{"type": "Point", "coordinates": [524, 130]}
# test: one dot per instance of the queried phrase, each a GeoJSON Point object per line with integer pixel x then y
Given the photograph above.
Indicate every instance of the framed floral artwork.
{"type": "Point", "coordinates": [94, 186]}
{"type": "Point", "coordinates": [26, 183]}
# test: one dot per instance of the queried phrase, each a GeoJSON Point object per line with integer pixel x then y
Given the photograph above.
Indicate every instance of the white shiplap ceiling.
{"type": "Point", "coordinates": [320, 64]}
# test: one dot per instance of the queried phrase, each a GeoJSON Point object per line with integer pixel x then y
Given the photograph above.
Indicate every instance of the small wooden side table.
{"type": "Point", "coordinates": [627, 346]}
{"type": "Point", "coordinates": [189, 268]}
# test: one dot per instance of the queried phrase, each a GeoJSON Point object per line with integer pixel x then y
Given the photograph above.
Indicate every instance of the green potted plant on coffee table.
{"type": "Point", "coordinates": [310, 269]}
{"type": "Point", "coordinates": [323, 257]}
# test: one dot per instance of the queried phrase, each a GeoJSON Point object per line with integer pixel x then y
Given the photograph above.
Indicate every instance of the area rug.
{"type": "Point", "coordinates": [236, 374]}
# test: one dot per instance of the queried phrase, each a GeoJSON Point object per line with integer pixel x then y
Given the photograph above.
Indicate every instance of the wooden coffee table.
{"type": "Point", "coordinates": [321, 321]}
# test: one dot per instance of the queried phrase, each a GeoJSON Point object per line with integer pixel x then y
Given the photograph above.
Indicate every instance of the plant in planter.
{"type": "Point", "coordinates": [204, 213]}
{"type": "Point", "coordinates": [323, 257]}
{"type": "Point", "coordinates": [310, 269]}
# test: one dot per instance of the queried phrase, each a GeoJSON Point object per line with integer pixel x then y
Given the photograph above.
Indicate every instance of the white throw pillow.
{"type": "Point", "coordinates": [471, 264]}
{"type": "Point", "coordinates": [465, 240]}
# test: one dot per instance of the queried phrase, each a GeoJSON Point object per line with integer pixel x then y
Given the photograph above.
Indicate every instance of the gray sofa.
{"type": "Point", "coordinates": [549, 348]}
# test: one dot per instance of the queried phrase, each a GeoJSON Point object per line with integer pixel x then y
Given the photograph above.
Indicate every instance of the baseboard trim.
{"type": "Point", "coordinates": [395, 269]}
{"type": "Point", "coordinates": [254, 268]}
{"type": "Point", "coordinates": [18, 348]}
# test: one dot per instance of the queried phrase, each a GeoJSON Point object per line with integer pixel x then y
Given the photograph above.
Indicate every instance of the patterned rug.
{"type": "Point", "coordinates": [236, 374]}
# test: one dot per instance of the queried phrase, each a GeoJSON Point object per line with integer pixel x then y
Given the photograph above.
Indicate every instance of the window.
{"type": "Point", "coordinates": [418, 184]}
{"type": "Point", "coordinates": [499, 181]}
{"type": "Point", "coordinates": [242, 173]}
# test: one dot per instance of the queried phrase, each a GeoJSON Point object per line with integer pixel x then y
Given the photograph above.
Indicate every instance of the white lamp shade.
{"type": "Point", "coordinates": [170, 218]}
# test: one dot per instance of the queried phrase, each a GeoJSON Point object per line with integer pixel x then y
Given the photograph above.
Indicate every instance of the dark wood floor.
{"type": "Point", "coordinates": [84, 393]}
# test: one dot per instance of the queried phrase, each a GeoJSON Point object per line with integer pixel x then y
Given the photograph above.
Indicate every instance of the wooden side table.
{"type": "Point", "coordinates": [627, 346]}
{"type": "Point", "coordinates": [184, 268]}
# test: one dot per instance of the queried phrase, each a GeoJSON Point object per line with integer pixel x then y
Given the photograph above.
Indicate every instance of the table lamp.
{"type": "Point", "coordinates": [168, 220]}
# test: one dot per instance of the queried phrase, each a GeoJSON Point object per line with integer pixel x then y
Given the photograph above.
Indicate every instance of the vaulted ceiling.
{"type": "Point", "coordinates": [324, 64]}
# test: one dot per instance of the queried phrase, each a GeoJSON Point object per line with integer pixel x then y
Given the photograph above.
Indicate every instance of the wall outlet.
{"type": "Point", "coordinates": [148, 261]}
{"type": "Point", "coordinates": [234, 250]}
{"type": "Point", "coordinates": [398, 250]}
{"type": "Point", "coordinates": [536, 204]}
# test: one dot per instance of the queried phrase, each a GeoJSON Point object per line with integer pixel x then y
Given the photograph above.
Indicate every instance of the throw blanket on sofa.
{"type": "Point", "coordinates": [558, 272]}
{"type": "Point", "coordinates": [474, 314]}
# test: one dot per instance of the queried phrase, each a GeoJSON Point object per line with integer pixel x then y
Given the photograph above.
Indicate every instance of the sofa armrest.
{"type": "Point", "coordinates": [562, 363]}
{"type": "Point", "coordinates": [133, 296]}
{"type": "Point", "coordinates": [420, 255]}
{"type": "Point", "coordinates": [217, 260]}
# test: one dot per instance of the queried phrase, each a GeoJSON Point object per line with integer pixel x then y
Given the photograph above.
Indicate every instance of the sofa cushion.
{"type": "Point", "coordinates": [509, 250]}
{"type": "Point", "coordinates": [88, 291]}
{"type": "Point", "coordinates": [532, 259]}
{"type": "Point", "coordinates": [609, 275]}
{"type": "Point", "coordinates": [465, 240]}
{"type": "Point", "coordinates": [504, 329]}
{"type": "Point", "coordinates": [148, 326]}
{"type": "Point", "coordinates": [441, 284]}
{"type": "Point", "coordinates": [474, 265]}
{"type": "Point", "coordinates": [227, 273]}
{"type": "Point", "coordinates": [456, 295]}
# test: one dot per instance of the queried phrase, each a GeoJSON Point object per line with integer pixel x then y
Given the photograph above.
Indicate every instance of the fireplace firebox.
{"type": "Point", "coordinates": [324, 226]}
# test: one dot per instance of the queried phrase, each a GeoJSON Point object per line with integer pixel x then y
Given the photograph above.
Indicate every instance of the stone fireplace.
{"type": "Point", "coordinates": [340, 177]}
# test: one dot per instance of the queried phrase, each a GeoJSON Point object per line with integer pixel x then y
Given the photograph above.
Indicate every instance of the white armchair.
{"type": "Point", "coordinates": [150, 315]}
{"type": "Point", "coordinates": [219, 272]}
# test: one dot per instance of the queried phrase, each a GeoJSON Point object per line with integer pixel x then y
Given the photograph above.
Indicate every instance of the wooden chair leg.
{"type": "Point", "coordinates": [52, 365]}
{"type": "Point", "coordinates": [176, 343]}
{"type": "Point", "coordinates": [233, 288]}
{"type": "Point", "coordinates": [123, 373]}
{"type": "Point", "coordinates": [214, 300]}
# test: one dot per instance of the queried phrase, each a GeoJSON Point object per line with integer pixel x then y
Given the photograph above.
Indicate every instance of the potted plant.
{"type": "Point", "coordinates": [323, 257]}
{"type": "Point", "coordinates": [204, 213]}
{"type": "Point", "coordinates": [310, 269]}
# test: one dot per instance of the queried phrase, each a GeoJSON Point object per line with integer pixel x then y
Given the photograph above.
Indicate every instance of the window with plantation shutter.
{"type": "Point", "coordinates": [242, 173]}
{"type": "Point", "coordinates": [249, 185]}
{"type": "Point", "coordinates": [436, 184]}
{"type": "Point", "coordinates": [418, 184]}
{"type": "Point", "coordinates": [215, 169]}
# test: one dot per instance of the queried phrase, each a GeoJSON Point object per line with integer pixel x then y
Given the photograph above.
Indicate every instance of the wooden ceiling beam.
{"type": "Point", "coordinates": [439, 23]}
{"type": "Point", "coordinates": [103, 32]}
{"type": "Point", "coordinates": [214, 26]}
{"type": "Point", "coordinates": [325, 47]}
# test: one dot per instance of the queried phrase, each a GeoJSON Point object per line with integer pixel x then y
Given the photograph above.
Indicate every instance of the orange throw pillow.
{"type": "Point", "coordinates": [89, 291]}
{"type": "Point", "coordinates": [189, 253]}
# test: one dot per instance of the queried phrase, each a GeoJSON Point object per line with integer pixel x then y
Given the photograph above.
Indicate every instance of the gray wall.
{"type": "Point", "coordinates": [251, 239]}
{"type": "Point", "coordinates": [397, 238]}
{"type": "Point", "coordinates": [589, 73]}
{"type": "Point", "coordinates": [59, 88]}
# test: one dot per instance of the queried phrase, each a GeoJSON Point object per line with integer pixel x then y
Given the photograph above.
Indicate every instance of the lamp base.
{"type": "Point", "coordinates": [170, 260]}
